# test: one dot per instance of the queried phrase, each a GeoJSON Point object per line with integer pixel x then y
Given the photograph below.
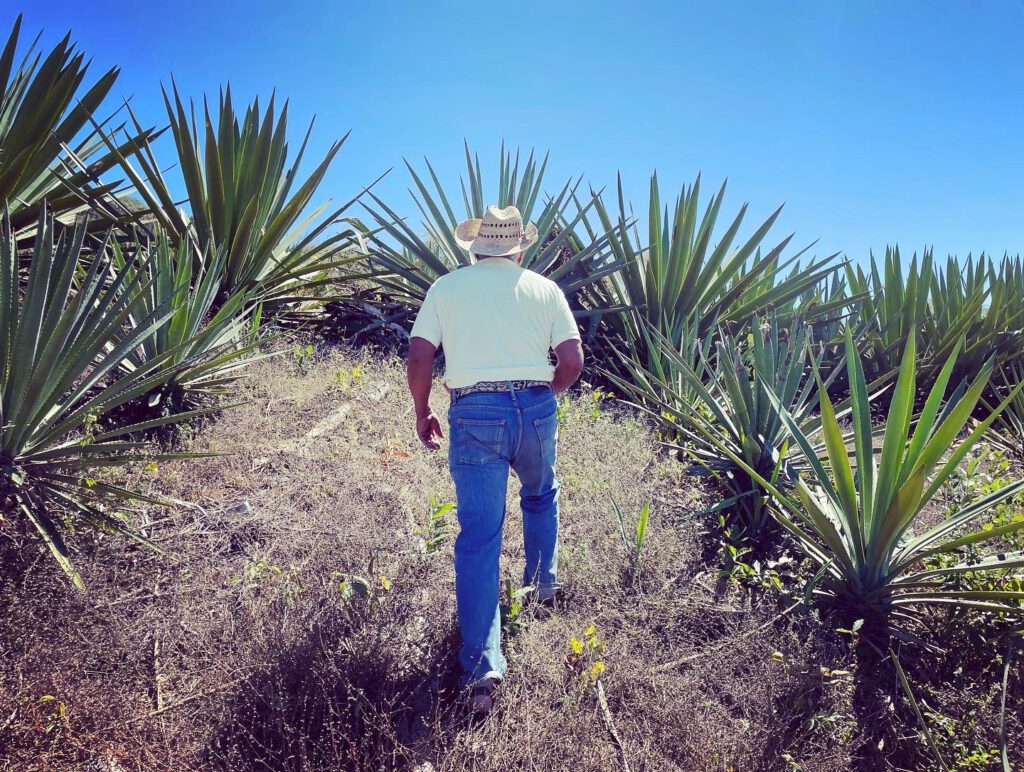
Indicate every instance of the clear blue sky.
{"type": "Point", "coordinates": [875, 122]}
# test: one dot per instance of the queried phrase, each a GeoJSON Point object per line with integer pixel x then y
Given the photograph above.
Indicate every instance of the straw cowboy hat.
{"type": "Point", "coordinates": [498, 234]}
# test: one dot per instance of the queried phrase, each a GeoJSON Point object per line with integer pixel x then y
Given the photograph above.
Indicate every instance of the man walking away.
{"type": "Point", "coordinates": [497, 322]}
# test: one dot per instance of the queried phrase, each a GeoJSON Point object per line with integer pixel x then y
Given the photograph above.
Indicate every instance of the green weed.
{"type": "Point", "coordinates": [596, 401]}
{"type": "Point", "coordinates": [562, 410]}
{"type": "Point", "coordinates": [512, 621]}
{"type": "Point", "coordinates": [633, 542]}
{"type": "Point", "coordinates": [304, 356]}
{"type": "Point", "coordinates": [57, 716]}
{"type": "Point", "coordinates": [348, 379]}
{"type": "Point", "coordinates": [434, 534]}
{"type": "Point", "coordinates": [260, 574]}
{"type": "Point", "coordinates": [364, 596]}
{"type": "Point", "coordinates": [740, 567]}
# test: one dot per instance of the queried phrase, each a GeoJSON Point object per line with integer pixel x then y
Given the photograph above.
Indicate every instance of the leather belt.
{"type": "Point", "coordinates": [495, 386]}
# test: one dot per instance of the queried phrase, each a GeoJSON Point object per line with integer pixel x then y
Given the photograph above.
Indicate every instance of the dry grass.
{"type": "Point", "coordinates": [237, 650]}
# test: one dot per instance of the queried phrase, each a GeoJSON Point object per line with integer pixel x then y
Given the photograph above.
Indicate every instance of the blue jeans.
{"type": "Point", "coordinates": [491, 432]}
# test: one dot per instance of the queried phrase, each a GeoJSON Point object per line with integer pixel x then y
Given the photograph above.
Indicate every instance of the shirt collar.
{"type": "Point", "coordinates": [498, 261]}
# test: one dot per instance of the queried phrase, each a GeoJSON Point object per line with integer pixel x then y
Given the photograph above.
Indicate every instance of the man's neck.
{"type": "Point", "coordinates": [500, 261]}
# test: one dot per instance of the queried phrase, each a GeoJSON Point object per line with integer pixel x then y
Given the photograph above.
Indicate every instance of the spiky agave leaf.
{"type": "Point", "coordinates": [971, 300]}
{"type": "Point", "coordinates": [725, 401]}
{"type": "Point", "coordinates": [47, 150]}
{"type": "Point", "coordinates": [1004, 313]}
{"type": "Point", "coordinates": [894, 304]}
{"type": "Point", "coordinates": [961, 307]}
{"type": "Point", "coordinates": [63, 336]}
{"type": "Point", "coordinates": [209, 345]}
{"type": "Point", "coordinates": [1008, 430]}
{"type": "Point", "coordinates": [671, 389]}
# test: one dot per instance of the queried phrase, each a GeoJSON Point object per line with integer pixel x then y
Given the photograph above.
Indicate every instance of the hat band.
{"type": "Point", "coordinates": [501, 236]}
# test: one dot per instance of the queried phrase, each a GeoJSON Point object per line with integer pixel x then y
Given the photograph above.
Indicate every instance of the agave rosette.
{"type": "Point", "coordinates": [63, 337]}
{"type": "Point", "coordinates": [725, 402]}
{"type": "Point", "coordinates": [206, 345]}
{"type": "Point", "coordinates": [48, 152]}
{"type": "Point", "coordinates": [239, 188]}
{"type": "Point", "coordinates": [857, 520]}
{"type": "Point", "coordinates": [683, 273]}
{"type": "Point", "coordinates": [570, 251]}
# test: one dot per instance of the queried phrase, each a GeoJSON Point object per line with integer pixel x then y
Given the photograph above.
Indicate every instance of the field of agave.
{"type": "Point", "coordinates": [832, 397]}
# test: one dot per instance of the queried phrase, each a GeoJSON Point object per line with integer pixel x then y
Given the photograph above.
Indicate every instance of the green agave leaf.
{"type": "Point", "coordinates": [51, 537]}
{"type": "Point", "coordinates": [826, 528]}
{"type": "Point", "coordinates": [240, 197]}
{"type": "Point", "coordinates": [921, 547]}
{"type": "Point", "coordinates": [839, 461]}
{"type": "Point", "coordinates": [904, 505]}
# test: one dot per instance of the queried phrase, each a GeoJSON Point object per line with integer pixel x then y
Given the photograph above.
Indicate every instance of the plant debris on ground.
{"type": "Point", "coordinates": [297, 617]}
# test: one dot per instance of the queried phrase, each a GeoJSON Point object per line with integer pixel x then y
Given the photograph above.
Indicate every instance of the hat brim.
{"type": "Point", "coordinates": [466, 237]}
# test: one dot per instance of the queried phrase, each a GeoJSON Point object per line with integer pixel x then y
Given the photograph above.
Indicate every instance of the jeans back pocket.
{"type": "Point", "coordinates": [478, 440]}
{"type": "Point", "coordinates": [547, 435]}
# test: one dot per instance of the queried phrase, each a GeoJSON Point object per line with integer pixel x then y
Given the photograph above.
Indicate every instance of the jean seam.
{"type": "Point", "coordinates": [517, 410]}
{"type": "Point", "coordinates": [519, 435]}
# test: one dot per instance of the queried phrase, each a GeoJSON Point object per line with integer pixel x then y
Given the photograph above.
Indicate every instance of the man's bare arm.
{"type": "Point", "coordinates": [420, 374]}
{"type": "Point", "coordinates": [569, 357]}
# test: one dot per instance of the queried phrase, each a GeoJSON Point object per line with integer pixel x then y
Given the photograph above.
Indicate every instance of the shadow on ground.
{"type": "Point", "coordinates": [358, 693]}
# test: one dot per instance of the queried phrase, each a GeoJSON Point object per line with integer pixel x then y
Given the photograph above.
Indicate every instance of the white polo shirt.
{"type": "Point", "coordinates": [496, 321]}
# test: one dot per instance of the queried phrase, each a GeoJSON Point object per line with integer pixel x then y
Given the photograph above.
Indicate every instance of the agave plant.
{"type": "Point", "coordinates": [672, 389]}
{"type": "Point", "coordinates": [728, 404]}
{"type": "Point", "coordinates": [1008, 430]}
{"type": "Point", "coordinates": [963, 303]}
{"type": "Point", "coordinates": [1004, 312]}
{"type": "Point", "coordinates": [893, 306]}
{"type": "Point", "coordinates": [63, 336]}
{"type": "Point", "coordinates": [901, 303]}
{"type": "Point", "coordinates": [827, 308]}
{"type": "Point", "coordinates": [684, 272]}
{"type": "Point", "coordinates": [241, 201]}
{"type": "Point", "coordinates": [206, 347]}
{"type": "Point", "coordinates": [569, 250]}
{"type": "Point", "coordinates": [45, 154]}
{"type": "Point", "coordinates": [1000, 323]}
{"type": "Point", "coordinates": [857, 521]}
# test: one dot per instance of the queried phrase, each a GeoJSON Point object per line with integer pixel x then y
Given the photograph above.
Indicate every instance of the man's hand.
{"type": "Point", "coordinates": [428, 429]}
{"type": "Point", "coordinates": [421, 363]}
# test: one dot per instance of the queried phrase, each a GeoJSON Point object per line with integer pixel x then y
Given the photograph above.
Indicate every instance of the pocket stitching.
{"type": "Point", "coordinates": [538, 422]}
{"type": "Point", "coordinates": [500, 435]}
{"type": "Point", "coordinates": [553, 418]}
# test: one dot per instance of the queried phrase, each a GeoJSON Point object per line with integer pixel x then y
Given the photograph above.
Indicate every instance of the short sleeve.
{"type": "Point", "coordinates": [428, 323]}
{"type": "Point", "coordinates": [563, 327]}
